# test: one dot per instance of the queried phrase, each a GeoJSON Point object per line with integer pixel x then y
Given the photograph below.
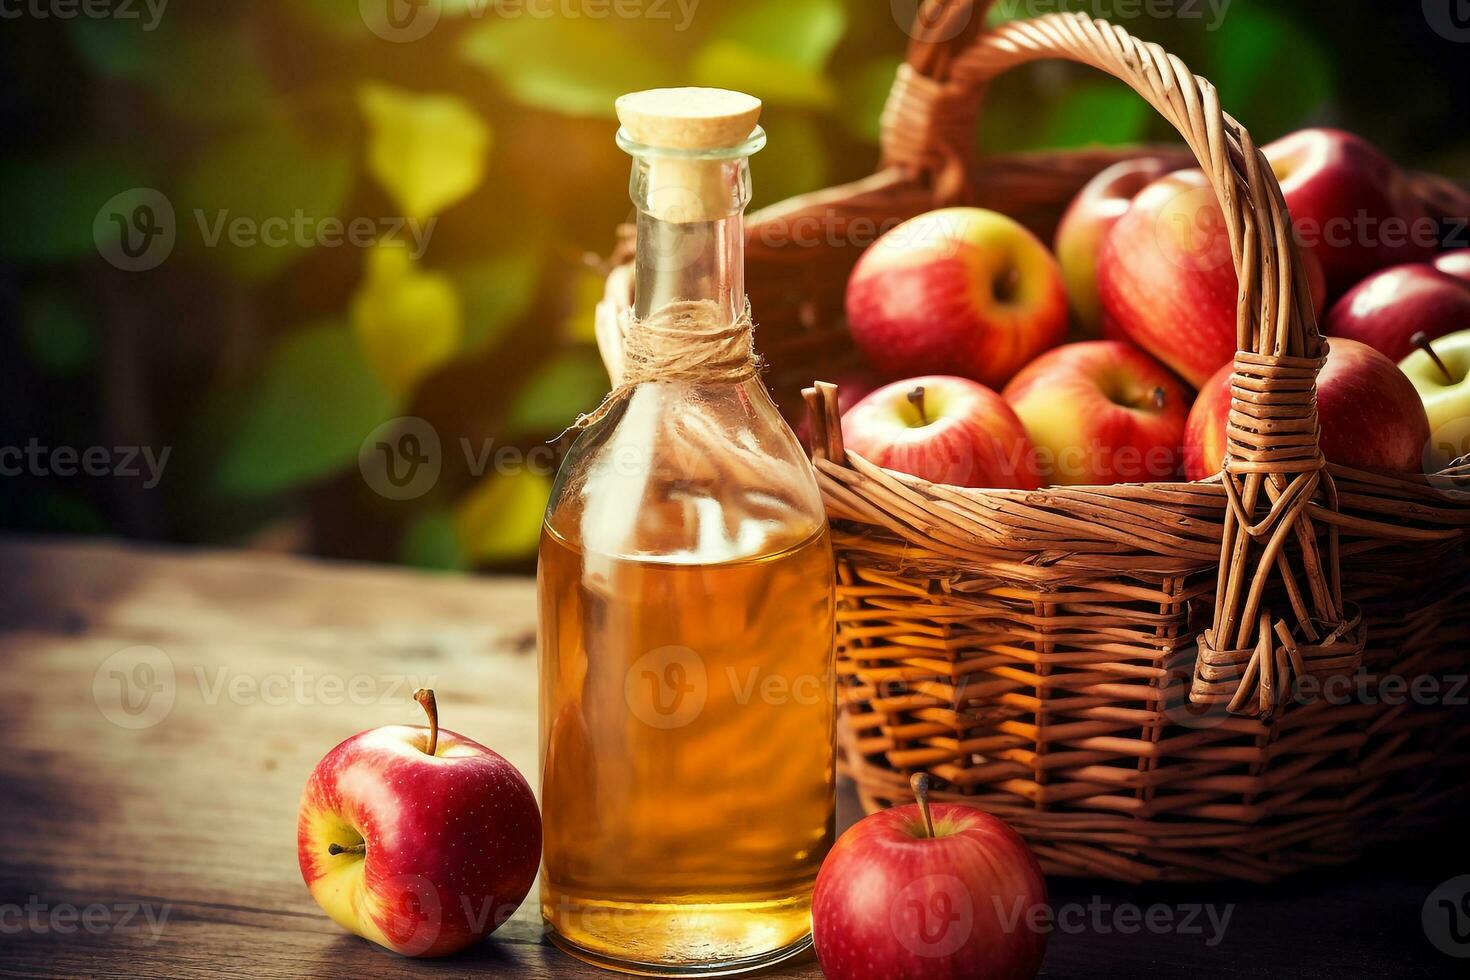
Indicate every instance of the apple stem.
{"type": "Point", "coordinates": [1421, 341]}
{"type": "Point", "coordinates": [425, 697]}
{"type": "Point", "coordinates": [920, 784]}
{"type": "Point", "coordinates": [335, 849]}
{"type": "Point", "coordinates": [916, 399]}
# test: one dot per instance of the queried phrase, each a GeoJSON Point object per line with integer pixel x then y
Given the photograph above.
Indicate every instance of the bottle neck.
{"type": "Point", "coordinates": [691, 233]}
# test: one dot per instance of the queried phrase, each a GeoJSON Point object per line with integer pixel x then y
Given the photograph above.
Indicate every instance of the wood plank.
{"type": "Point", "coordinates": [191, 819]}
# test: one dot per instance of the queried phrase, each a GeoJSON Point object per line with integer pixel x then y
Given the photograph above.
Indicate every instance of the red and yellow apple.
{"type": "Point", "coordinates": [1368, 412]}
{"type": "Point", "coordinates": [1166, 279]}
{"type": "Point", "coordinates": [1101, 411]}
{"type": "Point", "coordinates": [1440, 372]}
{"type": "Point", "coordinates": [1351, 206]}
{"type": "Point", "coordinates": [941, 891]}
{"type": "Point", "coordinates": [956, 291]}
{"type": "Point", "coordinates": [418, 839]}
{"type": "Point", "coordinates": [1084, 227]}
{"type": "Point", "coordinates": [1388, 308]}
{"type": "Point", "coordinates": [945, 430]}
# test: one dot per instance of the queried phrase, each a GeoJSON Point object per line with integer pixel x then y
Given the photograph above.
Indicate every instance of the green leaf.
{"type": "Point", "coordinates": [497, 291]}
{"type": "Point", "coordinates": [793, 162]}
{"type": "Point", "coordinates": [774, 49]}
{"type": "Point", "coordinates": [1107, 114]}
{"type": "Point", "coordinates": [254, 202]}
{"type": "Point", "coordinates": [428, 151]}
{"type": "Point", "coordinates": [500, 519]}
{"type": "Point", "coordinates": [1271, 74]}
{"type": "Point", "coordinates": [57, 331]}
{"type": "Point", "coordinates": [864, 93]}
{"type": "Point", "coordinates": [49, 203]}
{"type": "Point", "coordinates": [561, 65]}
{"type": "Point", "coordinates": [561, 389]}
{"type": "Point", "coordinates": [407, 321]}
{"type": "Point", "coordinates": [431, 541]}
{"type": "Point", "coordinates": [306, 415]}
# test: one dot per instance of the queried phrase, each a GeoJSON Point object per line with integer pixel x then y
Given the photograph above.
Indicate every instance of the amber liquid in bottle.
{"type": "Point", "coordinates": [686, 605]}
{"type": "Point", "coordinates": [688, 794]}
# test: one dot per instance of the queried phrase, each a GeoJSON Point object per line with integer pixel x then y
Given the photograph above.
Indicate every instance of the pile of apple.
{"type": "Point", "coordinates": [973, 314]}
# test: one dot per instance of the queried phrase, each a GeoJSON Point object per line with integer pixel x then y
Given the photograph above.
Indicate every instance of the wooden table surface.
{"type": "Point", "coordinates": [148, 829]}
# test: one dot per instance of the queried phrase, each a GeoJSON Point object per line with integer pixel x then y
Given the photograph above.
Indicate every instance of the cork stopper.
{"type": "Point", "coordinates": [684, 121]}
{"type": "Point", "coordinates": [688, 118]}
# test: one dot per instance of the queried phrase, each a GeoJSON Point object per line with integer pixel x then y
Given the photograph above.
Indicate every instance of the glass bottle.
{"type": "Point", "coordinates": [685, 587]}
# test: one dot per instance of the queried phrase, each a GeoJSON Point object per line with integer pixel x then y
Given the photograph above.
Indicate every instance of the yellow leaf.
{"type": "Point", "coordinates": [428, 151]}
{"type": "Point", "coordinates": [407, 321]}
{"type": "Point", "coordinates": [500, 519]}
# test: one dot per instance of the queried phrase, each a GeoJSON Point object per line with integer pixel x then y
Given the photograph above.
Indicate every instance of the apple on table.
{"type": "Point", "coordinates": [1440, 371]}
{"type": "Point", "coordinates": [1101, 412]}
{"type": "Point", "coordinates": [961, 291]}
{"type": "Point", "coordinates": [1369, 414]}
{"type": "Point", "coordinates": [943, 891]}
{"type": "Point", "coordinates": [418, 839]}
{"type": "Point", "coordinates": [943, 429]}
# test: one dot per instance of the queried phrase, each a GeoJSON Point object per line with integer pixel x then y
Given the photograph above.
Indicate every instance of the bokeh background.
{"type": "Point", "coordinates": [250, 235]}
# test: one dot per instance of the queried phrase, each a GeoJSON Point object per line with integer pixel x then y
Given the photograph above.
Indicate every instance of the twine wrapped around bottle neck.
{"type": "Point", "coordinates": [686, 340]}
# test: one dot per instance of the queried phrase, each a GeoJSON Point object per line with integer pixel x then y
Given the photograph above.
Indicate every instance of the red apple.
{"type": "Point", "coordinates": [418, 839]}
{"type": "Point", "coordinates": [944, 430]}
{"type": "Point", "coordinates": [1370, 415]}
{"type": "Point", "coordinates": [1167, 281]}
{"type": "Point", "coordinates": [956, 291]}
{"type": "Point", "coordinates": [918, 891]}
{"type": "Point", "coordinates": [1388, 308]}
{"type": "Point", "coordinates": [1095, 209]}
{"type": "Point", "coordinates": [1350, 205]}
{"type": "Point", "coordinates": [1455, 263]}
{"type": "Point", "coordinates": [1101, 411]}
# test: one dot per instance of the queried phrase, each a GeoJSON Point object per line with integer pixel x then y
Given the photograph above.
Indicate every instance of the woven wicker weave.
{"type": "Point", "coordinates": [1112, 669]}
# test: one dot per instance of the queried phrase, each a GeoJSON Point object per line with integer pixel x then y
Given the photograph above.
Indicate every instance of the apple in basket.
{"type": "Point", "coordinates": [945, 430]}
{"type": "Point", "coordinates": [1386, 310]}
{"type": "Point", "coordinates": [1455, 263]}
{"type": "Point", "coordinates": [1092, 213]}
{"type": "Point", "coordinates": [1440, 371]}
{"type": "Point", "coordinates": [1101, 411]}
{"type": "Point", "coordinates": [1370, 416]}
{"type": "Point", "coordinates": [1351, 206]}
{"type": "Point", "coordinates": [418, 839]}
{"type": "Point", "coordinates": [930, 891]}
{"type": "Point", "coordinates": [956, 291]}
{"type": "Point", "coordinates": [1166, 278]}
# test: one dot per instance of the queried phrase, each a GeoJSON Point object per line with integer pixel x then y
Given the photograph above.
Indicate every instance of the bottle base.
{"type": "Point", "coordinates": [715, 968]}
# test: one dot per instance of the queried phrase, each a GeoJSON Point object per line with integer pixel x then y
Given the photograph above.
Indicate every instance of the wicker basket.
{"type": "Point", "coordinates": [1114, 670]}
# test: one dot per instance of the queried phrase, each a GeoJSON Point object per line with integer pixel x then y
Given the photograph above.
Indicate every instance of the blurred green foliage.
{"type": "Point", "coordinates": [478, 162]}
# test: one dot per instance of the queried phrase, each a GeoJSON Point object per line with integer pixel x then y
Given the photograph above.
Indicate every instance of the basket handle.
{"type": "Point", "coordinates": [1273, 467]}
